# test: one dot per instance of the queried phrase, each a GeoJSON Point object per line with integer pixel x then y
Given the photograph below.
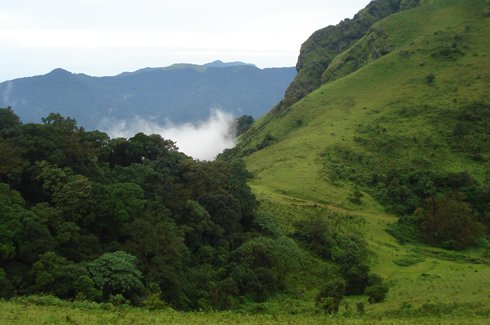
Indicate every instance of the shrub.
{"type": "Point", "coordinates": [376, 289]}
{"type": "Point", "coordinates": [376, 293]}
{"type": "Point", "coordinates": [330, 295]}
{"type": "Point", "coordinates": [430, 78]}
{"type": "Point", "coordinates": [86, 290]}
{"type": "Point", "coordinates": [450, 222]}
{"type": "Point", "coordinates": [360, 307]}
{"type": "Point", "coordinates": [356, 196]}
{"type": "Point", "coordinates": [406, 229]}
{"type": "Point", "coordinates": [408, 260]}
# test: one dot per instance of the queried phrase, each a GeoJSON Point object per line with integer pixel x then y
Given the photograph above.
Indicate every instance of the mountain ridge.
{"type": "Point", "coordinates": [318, 51]}
{"type": "Point", "coordinates": [179, 93]}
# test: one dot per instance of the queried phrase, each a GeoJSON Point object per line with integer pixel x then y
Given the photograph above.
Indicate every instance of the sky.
{"type": "Point", "coordinates": [107, 37]}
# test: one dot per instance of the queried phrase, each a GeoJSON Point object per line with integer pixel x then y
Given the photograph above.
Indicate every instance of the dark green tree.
{"type": "Point", "coordinates": [10, 124]}
{"type": "Point", "coordinates": [53, 274]}
{"type": "Point", "coordinates": [376, 289]}
{"type": "Point", "coordinates": [450, 222]}
{"type": "Point", "coordinates": [116, 273]}
{"type": "Point", "coordinates": [243, 123]}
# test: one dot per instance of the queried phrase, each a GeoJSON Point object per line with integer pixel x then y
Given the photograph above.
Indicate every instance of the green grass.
{"type": "Point", "coordinates": [27, 314]}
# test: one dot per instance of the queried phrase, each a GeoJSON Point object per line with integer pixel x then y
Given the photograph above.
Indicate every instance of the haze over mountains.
{"type": "Point", "coordinates": [180, 93]}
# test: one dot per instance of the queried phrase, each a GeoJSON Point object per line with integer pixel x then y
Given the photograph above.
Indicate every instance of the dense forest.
{"type": "Point", "coordinates": [134, 220]}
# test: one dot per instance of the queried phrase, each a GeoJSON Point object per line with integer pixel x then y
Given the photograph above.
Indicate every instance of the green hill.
{"type": "Point", "coordinates": [401, 117]}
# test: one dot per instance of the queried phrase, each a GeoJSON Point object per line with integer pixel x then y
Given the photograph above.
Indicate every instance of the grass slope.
{"type": "Point", "coordinates": [446, 39]}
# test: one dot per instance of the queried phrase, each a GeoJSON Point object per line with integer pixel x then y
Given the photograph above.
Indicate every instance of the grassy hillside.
{"type": "Point", "coordinates": [412, 93]}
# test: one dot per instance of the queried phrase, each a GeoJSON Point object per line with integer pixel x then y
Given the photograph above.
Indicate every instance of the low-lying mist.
{"type": "Point", "coordinates": [203, 140]}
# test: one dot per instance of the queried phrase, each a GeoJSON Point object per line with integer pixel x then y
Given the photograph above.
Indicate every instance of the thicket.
{"type": "Point", "coordinates": [335, 238]}
{"type": "Point", "coordinates": [86, 217]}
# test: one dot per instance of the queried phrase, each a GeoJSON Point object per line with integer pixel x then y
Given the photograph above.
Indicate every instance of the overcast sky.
{"type": "Point", "coordinates": [106, 37]}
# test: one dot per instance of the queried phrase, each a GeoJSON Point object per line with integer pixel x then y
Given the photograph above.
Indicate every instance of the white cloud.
{"type": "Point", "coordinates": [203, 140]}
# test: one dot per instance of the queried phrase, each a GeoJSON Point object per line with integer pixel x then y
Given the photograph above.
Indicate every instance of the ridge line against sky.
{"type": "Point", "coordinates": [107, 37]}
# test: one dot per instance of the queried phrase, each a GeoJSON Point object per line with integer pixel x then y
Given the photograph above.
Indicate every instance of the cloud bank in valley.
{"type": "Point", "coordinates": [203, 140]}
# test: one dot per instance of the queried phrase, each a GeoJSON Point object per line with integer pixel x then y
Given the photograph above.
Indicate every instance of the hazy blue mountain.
{"type": "Point", "coordinates": [179, 93]}
{"type": "Point", "coordinates": [221, 64]}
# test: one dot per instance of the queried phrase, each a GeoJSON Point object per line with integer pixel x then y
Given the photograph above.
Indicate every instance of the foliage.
{"type": "Point", "coordinates": [450, 222]}
{"type": "Point", "coordinates": [91, 218]}
{"type": "Point", "coordinates": [406, 229]}
{"type": "Point", "coordinates": [116, 273]}
{"type": "Point", "coordinates": [54, 274]}
{"type": "Point", "coordinates": [316, 234]}
{"type": "Point", "coordinates": [376, 289]}
{"type": "Point", "coordinates": [243, 123]}
{"type": "Point", "coordinates": [376, 293]}
{"type": "Point", "coordinates": [408, 260]}
{"type": "Point", "coordinates": [330, 295]}
{"type": "Point", "coordinates": [430, 78]}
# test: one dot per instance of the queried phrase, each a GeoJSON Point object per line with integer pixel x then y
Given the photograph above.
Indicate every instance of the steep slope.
{"type": "Point", "coordinates": [180, 93]}
{"type": "Point", "coordinates": [325, 44]}
{"type": "Point", "coordinates": [410, 95]}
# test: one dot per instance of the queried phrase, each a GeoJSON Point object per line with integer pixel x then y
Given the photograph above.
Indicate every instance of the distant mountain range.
{"type": "Point", "coordinates": [178, 93]}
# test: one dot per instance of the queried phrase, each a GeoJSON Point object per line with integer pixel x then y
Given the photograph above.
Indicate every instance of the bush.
{"type": "Point", "coordinates": [40, 300]}
{"type": "Point", "coordinates": [408, 260]}
{"type": "Point", "coordinates": [430, 78]}
{"type": "Point", "coordinates": [360, 307]}
{"type": "Point", "coordinates": [376, 289]}
{"type": "Point", "coordinates": [330, 296]}
{"type": "Point", "coordinates": [86, 290]}
{"type": "Point", "coordinates": [117, 300]}
{"type": "Point", "coordinates": [356, 196]}
{"type": "Point", "coordinates": [154, 302]}
{"type": "Point", "coordinates": [406, 229]}
{"type": "Point", "coordinates": [315, 234]}
{"type": "Point", "coordinates": [450, 222]}
{"type": "Point", "coordinates": [376, 293]}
